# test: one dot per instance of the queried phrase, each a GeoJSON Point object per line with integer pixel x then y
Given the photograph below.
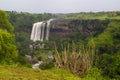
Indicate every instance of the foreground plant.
{"type": "Point", "coordinates": [78, 62]}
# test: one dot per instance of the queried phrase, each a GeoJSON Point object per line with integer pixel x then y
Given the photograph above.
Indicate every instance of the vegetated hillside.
{"type": "Point", "coordinates": [85, 23]}
{"type": "Point", "coordinates": [23, 23]}
{"type": "Point", "coordinates": [94, 15]}
{"type": "Point", "coordinates": [74, 28]}
{"type": "Point", "coordinates": [23, 73]}
{"type": "Point", "coordinates": [88, 46]}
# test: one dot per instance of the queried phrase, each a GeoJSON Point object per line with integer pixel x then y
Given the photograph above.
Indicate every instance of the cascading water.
{"type": "Point", "coordinates": [41, 30]}
{"type": "Point", "coordinates": [48, 28]}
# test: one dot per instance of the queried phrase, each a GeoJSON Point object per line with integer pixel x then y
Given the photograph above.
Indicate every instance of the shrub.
{"type": "Point", "coordinates": [110, 65]}
{"type": "Point", "coordinates": [78, 62]}
{"type": "Point", "coordinates": [93, 74]}
{"type": "Point", "coordinates": [8, 50]}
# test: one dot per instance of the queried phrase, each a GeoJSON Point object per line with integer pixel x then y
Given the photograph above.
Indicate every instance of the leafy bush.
{"type": "Point", "coordinates": [114, 67]}
{"type": "Point", "coordinates": [109, 40]}
{"type": "Point", "coordinates": [93, 74]}
{"type": "Point", "coordinates": [110, 65]}
{"type": "Point", "coordinates": [45, 66]}
{"type": "Point", "coordinates": [7, 48]}
{"type": "Point", "coordinates": [22, 61]}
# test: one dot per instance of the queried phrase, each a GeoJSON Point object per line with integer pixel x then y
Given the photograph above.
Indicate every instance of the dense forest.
{"type": "Point", "coordinates": [84, 44]}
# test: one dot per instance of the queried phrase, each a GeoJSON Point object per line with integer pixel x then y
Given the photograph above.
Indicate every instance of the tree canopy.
{"type": "Point", "coordinates": [7, 48]}
{"type": "Point", "coordinates": [4, 23]}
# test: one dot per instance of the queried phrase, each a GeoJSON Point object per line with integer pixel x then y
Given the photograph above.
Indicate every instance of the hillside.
{"type": "Point", "coordinates": [86, 44]}
{"type": "Point", "coordinates": [23, 73]}
{"type": "Point", "coordinates": [65, 28]}
{"type": "Point", "coordinates": [94, 15]}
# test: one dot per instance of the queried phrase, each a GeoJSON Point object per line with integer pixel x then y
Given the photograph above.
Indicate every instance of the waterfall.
{"type": "Point", "coordinates": [37, 31]}
{"type": "Point", "coordinates": [48, 28]}
{"type": "Point", "coordinates": [41, 30]}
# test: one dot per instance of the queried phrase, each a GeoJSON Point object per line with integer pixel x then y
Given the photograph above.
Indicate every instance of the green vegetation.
{"type": "Point", "coordinates": [8, 50]}
{"type": "Point", "coordinates": [92, 15]}
{"type": "Point", "coordinates": [23, 22]}
{"type": "Point", "coordinates": [78, 62]}
{"type": "Point", "coordinates": [108, 44]}
{"type": "Point", "coordinates": [23, 73]}
{"type": "Point", "coordinates": [4, 23]}
{"type": "Point", "coordinates": [93, 74]}
{"type": "Point", "coordinates": [98, 59]}
{"type": "Point", "coordinates": [108, 41]}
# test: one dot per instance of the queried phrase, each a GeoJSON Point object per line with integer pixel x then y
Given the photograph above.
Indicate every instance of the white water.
{"type": "Point", "coordinates": [48, 28]}
{"type": "Point", "coordinates": [38, 31]}
{"type": "Point", "coordinates": [36, 65]}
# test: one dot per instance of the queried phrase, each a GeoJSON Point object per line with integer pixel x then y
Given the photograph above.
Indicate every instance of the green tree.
{"type": "Point", "coordinates": [114, 30]}
{"type": "Point", "coordinates": [108, 44]}
{"type": "Point", "coordinates": [104, 43]}
{"type": "Point", "coordinates": [109, 40]}
{"type": "Point", "coordinates": [110, 65]}
{"type": "Point", "coordinates": [4, 23]}
{"type": "Point", "coordinates": [7, 48]}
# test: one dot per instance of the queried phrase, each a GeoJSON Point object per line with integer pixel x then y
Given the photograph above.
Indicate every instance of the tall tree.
{"type": "Point", "coordinates": [4, 23]}
{"type": "Point", "coordinates": [7, 48]}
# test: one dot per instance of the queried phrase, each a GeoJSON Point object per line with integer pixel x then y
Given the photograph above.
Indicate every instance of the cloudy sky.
{"type": "Point", "coordinates": [60, 6]}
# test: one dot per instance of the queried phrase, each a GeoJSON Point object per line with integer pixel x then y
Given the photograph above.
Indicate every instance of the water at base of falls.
{"type": "Point", "coordinates": [41, 30]}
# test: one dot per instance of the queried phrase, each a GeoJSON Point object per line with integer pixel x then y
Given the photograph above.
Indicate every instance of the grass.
{"type": "Point", "coordinates": [23, 73]}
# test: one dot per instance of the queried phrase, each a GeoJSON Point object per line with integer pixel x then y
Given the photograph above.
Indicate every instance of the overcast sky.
{"type": "Point", "coordinates": [60, 6]}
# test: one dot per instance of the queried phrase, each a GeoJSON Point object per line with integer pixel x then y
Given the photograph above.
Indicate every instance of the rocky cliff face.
{"type": "Point", "coordinates": [62, 28]}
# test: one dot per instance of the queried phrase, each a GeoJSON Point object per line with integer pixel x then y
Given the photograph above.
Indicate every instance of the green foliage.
{"type": "Point", "coordinates": [114, 68]}
{"type": "Point", "coordinates": [105, 60]}
{"type": "Point", "coordinates": [109, 40]}
{"type": "Point", "coordinates": [117, 66]}
{"type": "Point", "coordinates": [108, 45]}
{"type": "Point", "coordinates": [114, 30]}
{"type": "Point", "coordinates": [22, 19]}
{"type": "Point", "coordinates": [23, 22]}
{"type": "Point", "coordinates": [93, 15]}
{"type": "Point", "coordinates": [7, 48]}
{"type": "Point", "coordinates": [4, 23]}
{"type": "Point", "coordinates": [23, 73]}
{"type": "Point", "coordinates": [104, 42]}
{"type": "Point", "coordinates": [22, 43]}
{"type": "Point", "coordinates": [110, 65]}
{"type": "Point", "coordinates": [93, 74]}
{"type": "Point", "coordinates": [104, 27]}
{"type": "Point", "coordinates": [22, 61]}
{"type": "Point", "coordinates": [47, 66]}
{"type": "Point", "coordinates": [84, 29]}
